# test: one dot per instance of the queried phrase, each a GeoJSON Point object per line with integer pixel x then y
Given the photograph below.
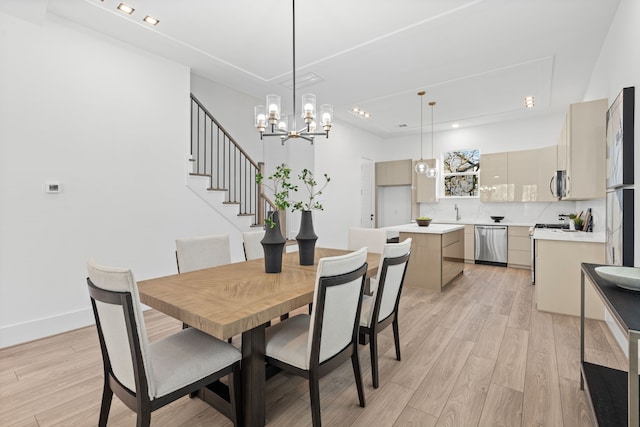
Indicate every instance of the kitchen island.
{"type": "Point", "coordinates": [437, 254]}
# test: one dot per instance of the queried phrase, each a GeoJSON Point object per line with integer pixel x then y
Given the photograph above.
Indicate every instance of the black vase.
{"type": "Point", "coordinates": [306, 239]}
{"type": "Point", "coordinates": [273, 245]}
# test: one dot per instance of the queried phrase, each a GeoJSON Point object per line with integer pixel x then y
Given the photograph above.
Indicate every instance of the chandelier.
{"type": "Point", "coordinates": [422, 166]}
{"type": "Point", "coordinates": [271, 122]}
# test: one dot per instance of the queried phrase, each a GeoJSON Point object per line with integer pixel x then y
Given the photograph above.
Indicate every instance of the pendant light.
{"type": "Point", "coordinates": [270, 122]}
{"type": "Point", "coordinates": [421, 166]}
{"type": "Point", "coordinates": [432, 172]}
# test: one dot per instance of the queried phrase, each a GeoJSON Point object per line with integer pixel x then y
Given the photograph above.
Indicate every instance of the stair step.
{"type": "Point", "coordinates": [245, 214]}
{"type": "Point", "coordinates": [230, 203]}
{"type": "Point", "coordinates": [199, 174]}
{"type": "Point", "coordinates": [216, 189]}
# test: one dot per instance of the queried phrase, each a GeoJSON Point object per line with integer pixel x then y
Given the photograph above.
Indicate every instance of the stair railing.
{"type": "Point", "coordinates": [214, 153]}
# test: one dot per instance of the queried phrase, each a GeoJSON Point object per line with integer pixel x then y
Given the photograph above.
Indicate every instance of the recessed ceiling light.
{"type": "Point", "coordinates": [150, 20]}
{"type": "Point", "coordinates": [358, 112]}
{"type": "Point", "coordinates": [455, 125]}
{"type": "Point", "coordinates": [529, 101]}
{"type": "Point", "coordinates": [125, 8]}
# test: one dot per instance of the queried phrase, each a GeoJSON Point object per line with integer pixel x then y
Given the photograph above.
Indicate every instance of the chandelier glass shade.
{"type": "Point", "coordinates": [270, 121]}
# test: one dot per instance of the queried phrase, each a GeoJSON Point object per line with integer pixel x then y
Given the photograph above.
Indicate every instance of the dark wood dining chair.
{"type": "Point", "coordinates": [312, 346]}
{"type": "Point", "coordinates": [147, 376]}
{"type": "Point", "coordinates": [381, 308]}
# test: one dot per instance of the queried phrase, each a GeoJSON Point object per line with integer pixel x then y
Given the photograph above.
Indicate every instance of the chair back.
{"type": "Point", "coordinates": [337, 301]}
{"type": "Point", "coordinates": [121, 329]}
{"type": "Point", "coordinates": [373, 238]}
{"type": "Point", "coordinates": [252, 246]}
{"type": "Point", "coordinates": [391, 272]}
{"type": "Point", "coordinates": [197, 253]}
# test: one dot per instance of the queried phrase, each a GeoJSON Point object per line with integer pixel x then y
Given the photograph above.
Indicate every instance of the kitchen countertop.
{"type": "Point", "coordinates": [568, 236]}
{"type": "Point", "coordinates": [487, 222]}
{"type": "Point", "coordinates": [431, 229]}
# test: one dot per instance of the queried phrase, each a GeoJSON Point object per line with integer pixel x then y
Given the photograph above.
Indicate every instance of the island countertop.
{"type": "Point", "coordinates": [431, 229]}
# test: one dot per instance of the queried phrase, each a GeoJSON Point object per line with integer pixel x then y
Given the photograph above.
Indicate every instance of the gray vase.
{"type": "Point", "coordinates": [306, 239]}
{"type": "Point", "coordinates": [273, 245]}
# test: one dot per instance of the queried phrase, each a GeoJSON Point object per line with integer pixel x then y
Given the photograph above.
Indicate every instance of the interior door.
{"type": "Point", "coordinates": [367, 195]}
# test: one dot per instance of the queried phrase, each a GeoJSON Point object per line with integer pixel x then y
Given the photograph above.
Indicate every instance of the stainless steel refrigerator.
{"type": "Point", "coordinates": [620, 185]}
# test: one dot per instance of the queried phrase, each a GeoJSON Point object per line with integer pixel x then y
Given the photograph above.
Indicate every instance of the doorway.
{"type": "Point", "coordinates": [367, 193]}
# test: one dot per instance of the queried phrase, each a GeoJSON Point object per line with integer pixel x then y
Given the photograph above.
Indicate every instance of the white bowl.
{"type": "Point", "coordinates": [624, 277]}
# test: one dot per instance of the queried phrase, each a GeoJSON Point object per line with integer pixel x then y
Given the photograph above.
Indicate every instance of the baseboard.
{"type": "Point", "coordinates": [19, 333]}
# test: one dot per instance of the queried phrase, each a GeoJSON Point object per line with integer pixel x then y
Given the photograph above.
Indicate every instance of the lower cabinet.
{"type": "Point", "coordinates": [558, 269]}
{"type": "Point", "coordinates": [519, 244]}
{"type": "Point", "coordinates": [435, 259]}
{"type": "Point", "coordinates": [469, 244]}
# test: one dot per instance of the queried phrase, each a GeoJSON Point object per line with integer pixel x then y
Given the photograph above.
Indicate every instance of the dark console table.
{"type": "Point", "coordinates": [613, 394]}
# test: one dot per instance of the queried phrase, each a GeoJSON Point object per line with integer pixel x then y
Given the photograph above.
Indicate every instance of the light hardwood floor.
{"type": "Point", "coordinates": [478, 353]}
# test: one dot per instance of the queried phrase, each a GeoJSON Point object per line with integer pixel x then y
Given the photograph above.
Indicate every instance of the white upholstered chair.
{"type": "Point", "coordinates": [313, 345]}
{"type": "Point", "coordinates": [197, 253]}
{"type": "Point", "coordinates": [381, 308]}
{"type": "Point", "coordinates": [147, 376]}
{"type": "Point", "coordinates": [373, 238]}
{"type": "Point", "coordinates": [252, 246]}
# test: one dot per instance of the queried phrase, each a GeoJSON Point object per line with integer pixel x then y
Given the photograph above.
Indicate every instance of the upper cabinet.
{"type": "Point", "coordinates": [523, 175]}
{"type": "Point", "coordinates": [582, 149]}
{"type": "Point", "coordinates": [494, 184]}
{"type": "Point", "coordinates": [396, 172]}
{"type": "Point", "coordinates": [547, 161]}
{"type": "Point", "coordinates": [424, 187]}
{"type": "Point", "coordinates": [518, 176]}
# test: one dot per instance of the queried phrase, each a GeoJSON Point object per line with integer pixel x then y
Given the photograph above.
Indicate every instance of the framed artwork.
{"type": "Point", "coordinates": [620, 128]}
{"type": "Point", "coordinates": [460, 170]}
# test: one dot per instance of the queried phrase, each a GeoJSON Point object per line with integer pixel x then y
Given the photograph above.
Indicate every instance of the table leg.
{"type": "Point", "coordinates": [253, 376]}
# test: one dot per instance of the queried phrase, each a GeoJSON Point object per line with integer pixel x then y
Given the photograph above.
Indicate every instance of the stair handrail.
{"type": "Point", "coordinates": [232, 164]}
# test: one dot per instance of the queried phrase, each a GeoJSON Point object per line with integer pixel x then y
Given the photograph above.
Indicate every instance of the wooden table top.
{"type": "Point", "coordinates": [227, 300]}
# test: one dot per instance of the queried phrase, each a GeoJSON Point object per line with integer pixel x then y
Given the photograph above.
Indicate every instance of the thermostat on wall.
{"type": "Point", "coordinates": [53, 187]}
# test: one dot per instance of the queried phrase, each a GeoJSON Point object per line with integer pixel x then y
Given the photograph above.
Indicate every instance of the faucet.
{"type": "Point", "coordinates": [457, 212]}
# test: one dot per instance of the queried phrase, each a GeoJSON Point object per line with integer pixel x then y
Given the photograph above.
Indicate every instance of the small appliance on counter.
{"type": "Point", "coordinates": [497, 218]}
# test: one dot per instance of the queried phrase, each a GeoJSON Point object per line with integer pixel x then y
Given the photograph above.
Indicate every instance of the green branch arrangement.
{"type": "Point", "coordinates": [280, 186]}
{"type": "Point", "coordinates": [310, 184]}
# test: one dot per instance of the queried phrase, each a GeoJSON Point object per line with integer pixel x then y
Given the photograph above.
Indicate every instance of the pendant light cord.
{"type": "Point", "coordinates": [294, 64]}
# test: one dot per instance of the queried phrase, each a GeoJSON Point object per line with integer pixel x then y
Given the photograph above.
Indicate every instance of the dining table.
{"type": "Point", "coordinates": [240, 299]}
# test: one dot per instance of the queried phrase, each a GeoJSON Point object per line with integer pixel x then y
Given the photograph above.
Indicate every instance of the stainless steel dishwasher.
{"type": "Point", "coordinates": [491, 244]}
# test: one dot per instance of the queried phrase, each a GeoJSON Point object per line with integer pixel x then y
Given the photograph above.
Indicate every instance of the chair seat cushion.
{"type": "Point", "coordinates": [367, 307]}
{"type": "Point", "coordinates": [287, 341]}
{"type": "Point", "coordinates": [186, 357]}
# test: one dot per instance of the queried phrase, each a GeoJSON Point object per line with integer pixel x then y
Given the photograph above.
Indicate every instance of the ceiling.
{"type": "Point", "coordinates": [477, 59]}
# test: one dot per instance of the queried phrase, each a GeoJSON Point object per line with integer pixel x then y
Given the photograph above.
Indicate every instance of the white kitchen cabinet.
{"type": "Point", "coordinates": [494, 185]}
{"type": "Point", "coordinates": [519, 247]}
{"type": "Point", "coordinates": [558, 269]}
{"type": "Point", "coordinates": [581, 150]}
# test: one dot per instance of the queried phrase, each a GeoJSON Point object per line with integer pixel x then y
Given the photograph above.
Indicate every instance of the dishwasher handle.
{"type": "Point", "coordinates": [492, 227]}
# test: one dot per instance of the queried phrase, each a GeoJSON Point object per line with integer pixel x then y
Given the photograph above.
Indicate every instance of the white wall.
{"type": "Point", "coordinates": [111, 124]}
{"type": "Point", "coordinates": [340, 157]}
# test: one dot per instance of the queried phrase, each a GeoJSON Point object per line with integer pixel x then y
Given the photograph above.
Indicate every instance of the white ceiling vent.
{"type": "Point", "coordinates": [304, 80]}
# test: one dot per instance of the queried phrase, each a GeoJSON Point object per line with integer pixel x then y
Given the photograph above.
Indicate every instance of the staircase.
{"type": "Point", "coordinates": [222, 174]}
